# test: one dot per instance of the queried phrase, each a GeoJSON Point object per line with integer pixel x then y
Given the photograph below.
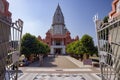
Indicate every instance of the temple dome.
{"type": "Point", "coordinates": [58, 17]}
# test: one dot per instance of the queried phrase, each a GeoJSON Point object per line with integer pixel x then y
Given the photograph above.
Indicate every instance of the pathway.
{"type": "Point", "coordinates": [59, 68]}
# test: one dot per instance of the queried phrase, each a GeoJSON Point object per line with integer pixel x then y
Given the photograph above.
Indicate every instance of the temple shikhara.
{"type": "Point", "coordinates": [58, 36]}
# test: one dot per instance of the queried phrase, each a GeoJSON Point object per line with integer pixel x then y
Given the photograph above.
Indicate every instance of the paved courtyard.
{"type": "Point", "coordinates": [57, 62]}
{"type": "Point", "coordinates": [59, 76]}
{"type": "Point", "coordinates": [59, 68]}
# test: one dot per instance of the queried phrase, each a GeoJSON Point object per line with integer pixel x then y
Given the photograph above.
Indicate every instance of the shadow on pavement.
{"type": "Point", "coordinates": [47, 62]}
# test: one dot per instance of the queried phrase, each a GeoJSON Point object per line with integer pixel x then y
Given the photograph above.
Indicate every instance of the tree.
{"type": "Point", "coordinates": [87, 45]}
{"type": "Point", "coordinates": [42, 51]}
{"type": "Point", "coordinates": [47, 48]}
{"type": "Point", "coordinates": [75, 49]}
{"type": "Point", "coordinates": [105, 20]}
{"type": "Point", "coordinates": [70, 48]}
{"type": "Point", "coordinates": [42, 48]}
{"type": "Point", "coordinates": [95, 50]}
{"type": "Point", "coordinates": [30, 45]}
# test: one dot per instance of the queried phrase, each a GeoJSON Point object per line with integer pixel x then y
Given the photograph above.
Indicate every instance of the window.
{"type": "Point", "coordinates": [58, 43]}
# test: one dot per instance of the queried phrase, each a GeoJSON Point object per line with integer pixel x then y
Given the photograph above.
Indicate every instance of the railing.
{"type": "Point", "coordinates": [108, 38]}
{"type": "Point", "coordinates": [10, 39]}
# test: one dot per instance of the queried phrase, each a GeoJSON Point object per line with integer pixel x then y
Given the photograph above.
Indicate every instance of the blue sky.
{"type": "Point", "coordinates": [37, 15]}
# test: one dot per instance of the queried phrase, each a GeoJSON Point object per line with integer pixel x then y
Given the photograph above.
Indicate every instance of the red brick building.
{"type": "Point", "coordinates": [58, 36]}
{"type": "Point", "coordinates": [115, 12]}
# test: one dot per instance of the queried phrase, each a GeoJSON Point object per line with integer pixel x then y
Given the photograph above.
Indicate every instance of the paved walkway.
{"type": "Point", "coordinates": [57, 62]}
{"type": "Point", "coordinates": [58, 76]}
{"type": "Point", "coordinates": [77, 62]}
{"type": "Point", "coordinates": [59, 68]}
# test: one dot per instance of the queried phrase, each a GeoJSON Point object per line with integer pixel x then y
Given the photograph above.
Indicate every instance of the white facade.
{"type": "Point", "coordinates": [57, 47]}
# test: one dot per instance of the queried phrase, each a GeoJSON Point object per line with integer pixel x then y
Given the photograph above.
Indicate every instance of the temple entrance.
{"type": "Point", "coordinates": [57, 50]}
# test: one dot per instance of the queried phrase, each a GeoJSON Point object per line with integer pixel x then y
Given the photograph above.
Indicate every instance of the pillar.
{"type": "Point", "coordinates": [63, 50]}
{"type": "Point", "coordinates": [51, 50]}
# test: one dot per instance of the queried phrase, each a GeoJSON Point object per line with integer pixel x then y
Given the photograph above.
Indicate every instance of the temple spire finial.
{"type": "Point", "coordinates": [58, 4]}
{"type": "Point", "coordinates": [58, 17]}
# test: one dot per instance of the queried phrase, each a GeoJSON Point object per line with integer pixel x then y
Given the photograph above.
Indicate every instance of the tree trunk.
{"type": "Point", "coordinates": [86, 56]}
{"type": "Point", "coordinates": [81, 57]}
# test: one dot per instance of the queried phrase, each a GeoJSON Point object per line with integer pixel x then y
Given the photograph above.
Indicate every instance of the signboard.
{"type": "Point", "coordinates": [87, 62]}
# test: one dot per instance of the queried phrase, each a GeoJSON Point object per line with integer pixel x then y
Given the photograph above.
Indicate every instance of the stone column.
{"type": "Point", "coordinates": [51, 50]}
{"type": "Point", "coordinates": [63, 50]}
{"type": "Point", "coordinates": [53, 43]}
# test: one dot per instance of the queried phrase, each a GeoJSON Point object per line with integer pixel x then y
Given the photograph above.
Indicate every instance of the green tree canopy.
{"type": "Point", "coordinates": [105, 20]}
{"type": "Point", "coordinates": [87, 44]}
{"type": "Point", "coordinates": [28, 44]}
{"type": "Point", "coordinates": [82, 47]}
{"type": "Point", "coordinates": [43, 48]}
{"type": "Point", "coordinates": [70, 48]}
{"type": "Point", "coordinates": [31, 45]}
